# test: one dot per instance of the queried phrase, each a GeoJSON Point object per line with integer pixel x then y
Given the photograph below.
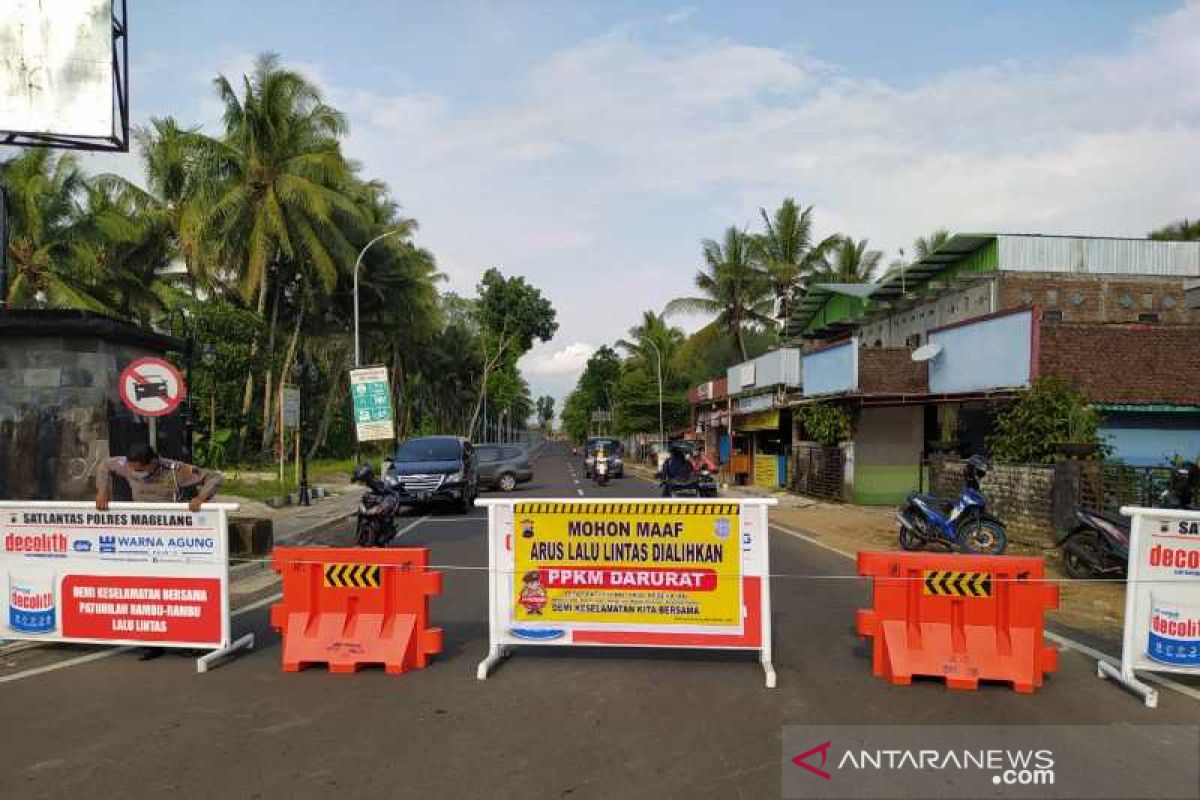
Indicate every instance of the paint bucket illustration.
{"type": "Point", "coordinates": [1174, 632]}
{"type": "Point", "coordinates": [31, 606]}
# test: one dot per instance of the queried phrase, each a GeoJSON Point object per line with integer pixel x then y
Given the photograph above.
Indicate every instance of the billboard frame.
{"type": "Point", "coordinates": [118, 142]}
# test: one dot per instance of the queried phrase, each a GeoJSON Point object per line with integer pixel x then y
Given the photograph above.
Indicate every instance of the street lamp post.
{"type": "Point", "coordinates": [357, 266]}
{"type": "Point", "coordinates": [304, 371]}
{"type": "Point", "coordinates": [662, 439]}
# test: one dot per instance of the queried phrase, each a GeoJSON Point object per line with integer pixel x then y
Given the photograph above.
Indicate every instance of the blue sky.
{"type": "Point", "coordinates": [590, 146]}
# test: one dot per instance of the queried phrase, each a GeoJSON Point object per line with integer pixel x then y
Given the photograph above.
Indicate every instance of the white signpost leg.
{"type": "Point", "coordinates": [1126, 677]}
{"type": "Point", "coordinates": [496, 650]}
{"type": "Point", "coordinates": [208, 660]}
{"type": "Point", "coordinates": [765, 602]}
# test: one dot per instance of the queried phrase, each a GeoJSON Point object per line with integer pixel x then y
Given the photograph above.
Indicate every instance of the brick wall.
{"type": "Point", "coordinates": [1020, 495]}
{"type": "Point", "coordinates": [891, 370]}
{"type": "Point", "coordinates": [1125, 363]}
{"type": "Point", "coordinates": [1099, 298]}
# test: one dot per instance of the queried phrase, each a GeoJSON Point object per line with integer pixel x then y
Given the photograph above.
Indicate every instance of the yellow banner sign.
{"type": "Point", "coordinates": [628, 563]}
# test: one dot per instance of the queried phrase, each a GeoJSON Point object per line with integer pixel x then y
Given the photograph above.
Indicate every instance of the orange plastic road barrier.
{"type": "Point", "coordinates": [350, 607]}
{"type": "Point", "coordinates": [962, 618]}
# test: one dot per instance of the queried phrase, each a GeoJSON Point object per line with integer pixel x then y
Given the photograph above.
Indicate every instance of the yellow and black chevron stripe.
{"type": "Point", "coordinates": [951, 583]}
{"type": "Point", "coordinates": [352, 576]}
{"type": "Point", "coordinates": [649, 509]}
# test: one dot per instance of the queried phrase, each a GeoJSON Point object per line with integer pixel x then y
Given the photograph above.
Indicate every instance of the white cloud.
{"type": "Point", "coordinates": [565, 360]}
{"type": "Point", "coordinates": [596, 175]}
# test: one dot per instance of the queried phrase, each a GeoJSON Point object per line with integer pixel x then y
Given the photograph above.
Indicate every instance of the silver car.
{"type": "Point", "coordinates": [503, 466]}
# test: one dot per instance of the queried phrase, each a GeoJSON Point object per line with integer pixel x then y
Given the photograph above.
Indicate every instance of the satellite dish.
{"type": "Point", "coordinates": [927, 352]}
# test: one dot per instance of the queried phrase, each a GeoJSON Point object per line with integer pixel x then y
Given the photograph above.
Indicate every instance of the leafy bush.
{"type": "Point", "coordinates": [826, 424]}
{"type": "Point", "coordinates": [1050, 413]}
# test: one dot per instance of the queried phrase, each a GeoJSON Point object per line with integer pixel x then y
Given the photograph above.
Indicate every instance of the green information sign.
{"type": "Point", "coordinates": [372, 403]}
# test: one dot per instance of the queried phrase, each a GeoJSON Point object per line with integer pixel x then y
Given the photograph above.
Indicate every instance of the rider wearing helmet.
{"type": "Point", "coordinates": [678, 469]}
{"type": "Point", "coordinates": [1181, 492]}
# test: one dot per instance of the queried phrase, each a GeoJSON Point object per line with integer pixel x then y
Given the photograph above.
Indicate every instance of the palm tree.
{"type": "Point", "coordinates": [273, 194]}
{"type": "Point", "coordinates": [45, 192]}
{"type": "Point", "coordinates": [653, 332]}
{"type": "Point", "coordinates": [927, 245]}
{"type": "Point", "coordinates": [851, 262]}
{"type": "Point", "coordinates": [787, 254]}
{"type": "Point", "coordinates": [732, 288]}
{"type": "Point", "coordinates": [1182, 231]}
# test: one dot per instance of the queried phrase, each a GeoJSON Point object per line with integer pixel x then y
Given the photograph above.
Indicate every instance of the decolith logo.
{"type": "Point", "coordinates": [36, 543]}
{"type": "Point", "coordinates": [801, 760]}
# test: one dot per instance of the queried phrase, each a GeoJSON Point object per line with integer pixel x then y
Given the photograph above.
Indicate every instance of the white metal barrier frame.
{"type": "Point", "coordinates": [1179, 531]}
{"type": "Point", "coordinates": [90, 555]}
{"type": "Point", "coordinates": [753, 530]}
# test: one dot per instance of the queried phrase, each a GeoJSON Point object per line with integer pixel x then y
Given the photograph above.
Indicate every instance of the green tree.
{"type": "Point", "coordinates": [1182, 231]}
{"type": "Point", "coordinates": [650, 340]}
{"type": "Point", "coordinates": [787, 254]}
{"type": "Point", "coordinates": [731, 287]}
{"type": "Point", "coordinates": [1049, 413]}
{"type": "Point", "coordinates": [851, 262]}
{"type": "Point", "coordinates": [927, 245]}
{"type": "Point", "coordinates": [511, 315]}
{"type": "Point", "coordinates": [545, 411]}
{"type": "Point", "coordinates": [45, 193]}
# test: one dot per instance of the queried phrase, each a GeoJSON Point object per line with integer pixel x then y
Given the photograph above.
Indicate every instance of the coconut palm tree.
{"type": "Point", "coordinates": [653, 332]}
{"type": "Point", "coordinates": [926, 245]}
{"type": "Point", "coordinates": [851, 262]}
{"type": "Point", "coordinates": [273, 194]}
{"type": "Point", "coordinates": [732, 288]}
{"type": "Point", "coordinates": [787, 254]}
{"type": "Point", "coordinates": [46, 192]}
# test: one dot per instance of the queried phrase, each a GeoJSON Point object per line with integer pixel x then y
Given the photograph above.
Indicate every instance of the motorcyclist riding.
{"type": "Point", "coordinates": [678, 469]}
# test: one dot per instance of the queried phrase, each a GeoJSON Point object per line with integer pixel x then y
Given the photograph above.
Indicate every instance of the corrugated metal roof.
{"type": "Point", "coordinates": [1098, 256]}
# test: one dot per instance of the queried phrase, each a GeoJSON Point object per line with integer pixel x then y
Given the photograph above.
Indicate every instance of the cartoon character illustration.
{"type": "Point", "coordinates": [533, 594]}
{"type": "Point", "coordinates": [527, 529]}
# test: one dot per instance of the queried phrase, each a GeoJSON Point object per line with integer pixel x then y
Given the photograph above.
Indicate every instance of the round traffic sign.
{"type": "Point", "coordinates": [151, 387]}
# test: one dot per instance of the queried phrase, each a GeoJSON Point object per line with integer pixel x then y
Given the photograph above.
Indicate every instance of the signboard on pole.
{"type": "Point", "coordinates": [1162, 598]}
{"type": "Point", "coordinates": [630, 573]}
{"type": "Point", "coordinates": [372, 404]}
{"type": "Point", "coordinates": [151, 387]}
{"type": "Point", "coordinates": [290, 407]}
{"type": "Point", "coordinates": [137, 574]}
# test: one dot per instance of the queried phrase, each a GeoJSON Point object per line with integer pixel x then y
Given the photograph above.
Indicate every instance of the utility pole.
{"type": "Point", "coordinates": [662, 439]}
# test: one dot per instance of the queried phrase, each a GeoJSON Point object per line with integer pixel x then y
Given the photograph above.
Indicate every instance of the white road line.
{"type": "Point", "coordinates": [90, 657]}
{"type": "Point", "coordinates": [1065, 641]}
{"type": "Point", "coordinates": [412, 525]}
{"type": "Point", "coordinates": [580, 492]}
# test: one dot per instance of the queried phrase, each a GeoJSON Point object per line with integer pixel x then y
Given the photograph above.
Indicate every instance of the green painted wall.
{"type": "Point", "coordinates": [985, 259]}
{"type": "Point", "coordinates": [884, 484]}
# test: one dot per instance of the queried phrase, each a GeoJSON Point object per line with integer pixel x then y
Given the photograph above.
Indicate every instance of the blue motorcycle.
{"type": "Point", "coordinates": [964, 525]}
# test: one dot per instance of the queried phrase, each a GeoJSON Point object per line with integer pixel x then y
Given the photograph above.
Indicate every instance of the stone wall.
{"type": "Point", "coordinates": [60, 412]}
{"type": "Point", "coordinates": [1020, 495]}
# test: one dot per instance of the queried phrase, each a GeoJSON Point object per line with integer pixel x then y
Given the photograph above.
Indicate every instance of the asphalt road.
{"type": "Point", "coordinates": [548, 723]}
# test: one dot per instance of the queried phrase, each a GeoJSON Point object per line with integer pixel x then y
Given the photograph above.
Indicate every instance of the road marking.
{"type": "Point", "coordinates": [412, 525]}
{"type": "Point", "coordinates": [580, 492]}
{"type": "Point", "coordinates": [90, 657]}
{"type": "Point", "coordinates": [1065, 641]}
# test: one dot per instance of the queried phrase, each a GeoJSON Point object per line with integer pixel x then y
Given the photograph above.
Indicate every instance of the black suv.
{"type": "Point", "coordinates": [435, 469]}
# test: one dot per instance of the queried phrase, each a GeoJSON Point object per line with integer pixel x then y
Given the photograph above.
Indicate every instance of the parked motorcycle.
{"type": "Point", "coordinates": [962, 525]}
{"type": "Point", "coordinates": [1098, 545]}
{"type": "Point", "coordinates": [377, 509]}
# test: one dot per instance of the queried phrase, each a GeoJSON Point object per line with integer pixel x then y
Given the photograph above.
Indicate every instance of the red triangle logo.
{"type": "Point", "coordinates": [801, 760]}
